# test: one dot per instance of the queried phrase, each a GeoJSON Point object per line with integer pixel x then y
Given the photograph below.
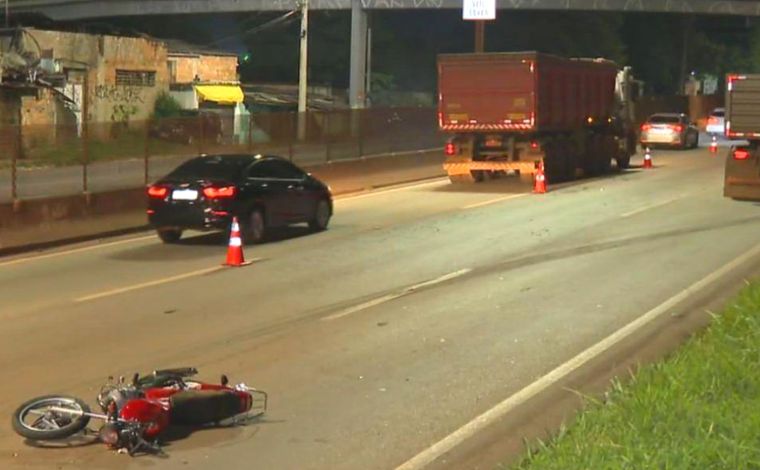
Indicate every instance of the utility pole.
{"type": "Point", "coordinates": [480, 35]}
{"type": "Point", "coordinates": [7, 15]}
{"type": "Point", "coordinates": [303, 70]}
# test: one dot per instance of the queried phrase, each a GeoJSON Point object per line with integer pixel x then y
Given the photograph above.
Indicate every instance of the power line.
{"type": "Point", "coordinates": [283, 19]}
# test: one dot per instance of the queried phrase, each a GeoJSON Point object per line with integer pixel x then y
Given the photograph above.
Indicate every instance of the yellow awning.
{"type": "Point", "coordinates": [222, 94]}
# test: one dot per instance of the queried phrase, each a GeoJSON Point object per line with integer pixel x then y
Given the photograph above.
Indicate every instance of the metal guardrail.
{"type": "Point", "coordinates": [42, 161]}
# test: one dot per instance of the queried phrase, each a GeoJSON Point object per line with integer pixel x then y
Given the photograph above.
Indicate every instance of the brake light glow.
{"type": "Point", "coordinates": [646, 127]}
{"type": "Point", "coordinates": [213, 192]}
{"type": "Point", "coordinates": [450, 148]}
{"type": "Point", "coordinates": [158, 192]}
{"type": "Point", "coordinates": [712, 120]}
{"type": "Point", "coordinates": [741, 154]}
{"type": "Point", "coordinates": [534, 145]}
{"type": "Point", "coordinates": [677, 128]}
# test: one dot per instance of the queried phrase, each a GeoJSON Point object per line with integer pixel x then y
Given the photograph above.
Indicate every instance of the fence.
{"type": "Point", "coordinates": [40, 161]}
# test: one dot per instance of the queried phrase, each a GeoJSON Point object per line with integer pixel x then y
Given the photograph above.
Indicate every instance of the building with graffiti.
{"type": "Point", "coordinates": [51, 81]}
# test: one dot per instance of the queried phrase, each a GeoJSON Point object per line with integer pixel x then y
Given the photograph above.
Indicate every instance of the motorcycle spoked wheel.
{"type": "Point", "coordinates": [35, 420]}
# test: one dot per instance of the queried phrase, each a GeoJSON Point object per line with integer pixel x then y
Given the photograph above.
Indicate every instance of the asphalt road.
{"type": "Point", "coordinates": [419, 309]}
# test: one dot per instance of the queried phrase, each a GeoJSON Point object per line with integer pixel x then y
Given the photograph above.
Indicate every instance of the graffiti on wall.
{"type": "Point", "coordinates": [120, 94]}
{"type": "Point", "coordinates": [125, 100]}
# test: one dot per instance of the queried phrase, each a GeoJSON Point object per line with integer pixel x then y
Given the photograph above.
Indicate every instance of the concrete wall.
{"type": "Point", "coordinates": [207, 68]}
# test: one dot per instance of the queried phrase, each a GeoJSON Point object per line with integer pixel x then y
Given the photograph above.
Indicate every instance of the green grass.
{"type": "Point", "coordinates": [699, 409]}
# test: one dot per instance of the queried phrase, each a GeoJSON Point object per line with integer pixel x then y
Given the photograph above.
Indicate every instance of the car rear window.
{"type": "Point", "coordinates": [227, 167]}
{"type": "Point", "coordinates": [664, 119]}
{"type": "Point", "coordinates": [718, 114]}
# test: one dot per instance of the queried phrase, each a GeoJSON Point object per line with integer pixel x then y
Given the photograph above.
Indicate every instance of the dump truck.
{"type": "Point", "coordinates": [510, 112]}
{"type": "Point", "coordinates": [742, 122]}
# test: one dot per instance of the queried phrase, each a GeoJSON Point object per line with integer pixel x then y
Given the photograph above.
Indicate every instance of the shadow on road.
{"type": "Point", "coordinates": [200, 246]}
{"type": "Point", "coordinates": [514, 185]}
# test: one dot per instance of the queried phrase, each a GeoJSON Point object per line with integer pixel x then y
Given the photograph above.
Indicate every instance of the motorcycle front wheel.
{"type": "Point", "coordinates": [50, 417]}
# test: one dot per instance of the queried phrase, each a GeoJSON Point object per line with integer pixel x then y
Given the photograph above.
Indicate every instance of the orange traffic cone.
{"type": "Point", "coordinates": [648, 158]}
{"type": "Point", "coordinates": [235, 248]}
{"type": "Point", "coordinates": [714, 145]}
{"type": "Point", "coordinates": [539, 180]}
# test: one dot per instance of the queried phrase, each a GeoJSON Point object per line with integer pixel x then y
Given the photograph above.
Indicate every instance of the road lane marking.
{"type": "Point", "coordinates": [652, 206]}
{"type": "Point", "coordinates": [490, 416]}
{"type": "Point", "coordinates": [381, 192]}
{"type": "Point", "coordinates": [388, 297]}
{"type": "Point", "coordinates": [494, 201]}
{"type": "Point", "coordinates": [75, 250]}
{"type": "Point", "coordinates": [157, 282]}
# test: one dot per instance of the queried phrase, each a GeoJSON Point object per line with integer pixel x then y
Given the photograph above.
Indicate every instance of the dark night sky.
{"type": "Point", "coordinates": [405, 42]}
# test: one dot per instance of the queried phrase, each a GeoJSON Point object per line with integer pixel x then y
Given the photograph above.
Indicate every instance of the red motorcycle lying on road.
{"type": "Point", "coordinates": [136, 413]}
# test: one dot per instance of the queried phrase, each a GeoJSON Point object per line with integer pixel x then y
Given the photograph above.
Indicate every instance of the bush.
{"type": "Point", "coordinates": [166, 106]}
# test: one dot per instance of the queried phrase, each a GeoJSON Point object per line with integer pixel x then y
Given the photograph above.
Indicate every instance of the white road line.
{"type": "Point", "coordinates": [150, 284]}
{"type": "Point", "coordinates": [652, 206]}
{"type": "Point", "coordinates": [433, 452]}
{"type": "Point", "coordinates": [388, 297]}
{"type": "Point", "coordinates": [437, 181]}
{"type": "Point", "coordinates": [493, 201]}
{"type": "Point", "coordinates": [75, 250]}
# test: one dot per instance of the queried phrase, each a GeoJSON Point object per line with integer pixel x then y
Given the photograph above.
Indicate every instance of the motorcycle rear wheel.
{"type": "Point", "coordinates": [36, 420]}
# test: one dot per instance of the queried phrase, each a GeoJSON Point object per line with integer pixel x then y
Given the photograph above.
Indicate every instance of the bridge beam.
{"type": "Point", "coordinates": [81, 9]}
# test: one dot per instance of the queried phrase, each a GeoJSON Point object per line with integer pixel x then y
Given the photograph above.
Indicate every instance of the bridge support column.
{"type": "Point", "coordinates": [357, 93]}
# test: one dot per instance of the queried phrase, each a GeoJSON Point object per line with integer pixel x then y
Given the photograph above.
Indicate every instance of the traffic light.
{"type": "Point", "coordinates": [245, 58]}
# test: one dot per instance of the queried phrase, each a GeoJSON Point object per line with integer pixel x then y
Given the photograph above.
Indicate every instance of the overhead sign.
{"type": "Point", "coordinates": [479, 10]}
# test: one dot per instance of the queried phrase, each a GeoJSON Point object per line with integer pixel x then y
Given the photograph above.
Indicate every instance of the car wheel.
{"type": "Point", "coordinates": [321, 216]}
{"type": "Point", "coordinates": [255, 231]}
{"type": "Point", "coordinates": [169, 235]}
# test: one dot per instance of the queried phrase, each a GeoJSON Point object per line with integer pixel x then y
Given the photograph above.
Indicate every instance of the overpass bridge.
{"type": "Point", "coordinates": [70, 10]}
{"type": "Point", "coordinates": [61, 10]}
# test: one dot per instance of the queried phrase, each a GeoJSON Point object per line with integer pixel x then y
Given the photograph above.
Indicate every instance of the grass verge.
{"type": "Point", "coordinates": [698, 409]}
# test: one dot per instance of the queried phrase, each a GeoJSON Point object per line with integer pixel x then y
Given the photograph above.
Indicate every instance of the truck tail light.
{"type": "Point", "coordinates": [158, 192]}
{"type": "Point", "coordinates": [741, 154]}
{"type": "Point", "coordinates": [214, 192]}
{"type": "Point", "coordinates": [450, 149]}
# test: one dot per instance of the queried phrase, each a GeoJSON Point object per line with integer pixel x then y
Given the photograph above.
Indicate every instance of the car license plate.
{"type": "Point", "coordinates": [184, 194]}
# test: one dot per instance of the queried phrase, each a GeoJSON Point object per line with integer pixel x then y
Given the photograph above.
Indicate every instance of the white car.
{"type": "Point", "coordinates": [716, 124]}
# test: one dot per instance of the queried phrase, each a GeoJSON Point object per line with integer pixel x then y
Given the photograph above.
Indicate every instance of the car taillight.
{"type": "Point", "coordinates": [712, 120]}
{"type": "Point", "coordinates": [158, 192]}
{"type": "Point", "coordinates": [450, 149]}
{"type": "Point", "coordinates": [213, 192]}
{"type": "Point", "coordinates": [645, 127]}
{"type": "Point", "coordinates": [677, 127]}
{"type": "Point", "coordinates": [741, 154]}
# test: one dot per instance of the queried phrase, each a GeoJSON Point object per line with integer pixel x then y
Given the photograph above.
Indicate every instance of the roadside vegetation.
{"type": "Point", "coordinates": [698, 409]}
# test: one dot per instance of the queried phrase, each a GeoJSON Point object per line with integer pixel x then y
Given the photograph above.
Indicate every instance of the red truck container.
{"type": "Point", "coordinates": [510, 111]}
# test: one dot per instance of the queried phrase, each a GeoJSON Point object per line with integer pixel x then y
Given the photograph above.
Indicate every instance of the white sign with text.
{"type": "Point", "coordinates": [479, 10]}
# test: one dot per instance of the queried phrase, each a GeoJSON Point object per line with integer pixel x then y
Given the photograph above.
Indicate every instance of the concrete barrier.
{"type": "Point", "coordinates": [34, 223]}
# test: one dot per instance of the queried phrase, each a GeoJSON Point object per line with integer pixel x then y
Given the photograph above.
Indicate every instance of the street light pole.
{"type": "Point", "coordinates": [7, 15]}
{"type": "Point", "coordinates": [303, 70]}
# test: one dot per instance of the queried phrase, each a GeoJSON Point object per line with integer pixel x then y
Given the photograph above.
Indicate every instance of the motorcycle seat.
{"type": "Point", "coordinates": [196, 407]}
